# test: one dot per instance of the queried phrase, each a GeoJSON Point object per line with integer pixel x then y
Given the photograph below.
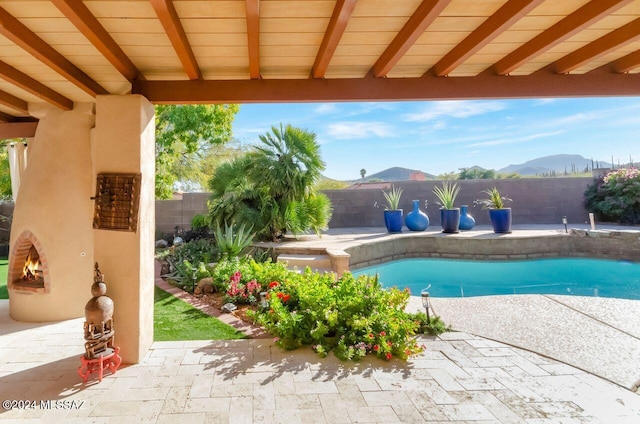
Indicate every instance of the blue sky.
{"type": "Point", "coordinates": [442, 136]}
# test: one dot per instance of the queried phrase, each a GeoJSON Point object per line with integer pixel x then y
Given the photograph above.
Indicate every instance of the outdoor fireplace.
{"type": "Point", "coordinates": [27, 268]}
{"type": "Point", "coordinates": [52, 245]}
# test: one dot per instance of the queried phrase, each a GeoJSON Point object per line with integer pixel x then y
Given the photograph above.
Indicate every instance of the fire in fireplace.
{"type": "Point", "coordinates": [32, 271]}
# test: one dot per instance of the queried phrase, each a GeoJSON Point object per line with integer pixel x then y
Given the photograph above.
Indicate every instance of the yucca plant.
{"type": "Point", "coordinates": [233, 241]}
{"type": "Point", "coordinates": [393, 198]}
{"type": "Point", "coordinates": [447, 194]}
{"type": "Point", "coordinates": [495, 200]}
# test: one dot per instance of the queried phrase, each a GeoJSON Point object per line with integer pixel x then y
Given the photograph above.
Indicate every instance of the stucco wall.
{"type": "Point", "coordinates": [535, 201]}
{"type": "Point", "coordinates": [54, 206]}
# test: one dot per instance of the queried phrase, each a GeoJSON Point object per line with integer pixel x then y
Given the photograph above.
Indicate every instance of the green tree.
{"type": "Point", "coordinates": [476, 174]}
{"type": "Point", "coordinates": [5, 175]}
{"type": "Point", "coordinates": [271, 187]}
{"type": "Point", "coordinates": [185, 136]}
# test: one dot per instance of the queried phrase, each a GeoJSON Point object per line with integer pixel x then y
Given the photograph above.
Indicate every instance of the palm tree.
{"type": "Point", "coordinates": [271, 187]}
{"type": "Point", "coordinates": [363, 172]}
{"type": "Point", "coordinates": [288, 161]}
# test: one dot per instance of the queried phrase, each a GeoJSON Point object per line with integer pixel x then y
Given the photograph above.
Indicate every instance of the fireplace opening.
{"type": "Point", "coordinates": [32, 273]}
{"type": "Point", "coordinates": [28, 265]}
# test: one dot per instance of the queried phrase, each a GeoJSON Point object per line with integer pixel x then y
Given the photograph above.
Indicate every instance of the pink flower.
{"type": "Point", "coordinates": [382, 333]}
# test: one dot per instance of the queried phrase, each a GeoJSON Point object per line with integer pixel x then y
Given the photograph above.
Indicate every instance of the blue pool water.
{"type": "Point", "coordinates": [458, 278]}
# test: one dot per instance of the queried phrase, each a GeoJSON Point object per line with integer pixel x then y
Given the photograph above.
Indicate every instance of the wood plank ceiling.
{"type": "Point", "coordinates": [188, 51]}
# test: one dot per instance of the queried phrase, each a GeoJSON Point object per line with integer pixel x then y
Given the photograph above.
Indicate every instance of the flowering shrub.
{"type": "Point", "coordinates": [352, 317]}
{"type": "Point", "coordinates": [616, 197]}
{"type": "Point", "coordinates": [238, 292]}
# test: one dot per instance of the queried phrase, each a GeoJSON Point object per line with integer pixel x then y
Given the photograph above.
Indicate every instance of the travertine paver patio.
{"type": "Point", "coordinates": [459, 378]}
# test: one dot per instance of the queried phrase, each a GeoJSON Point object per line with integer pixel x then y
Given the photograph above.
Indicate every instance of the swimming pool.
{"type": "Point", "coordinates": [460, 278]}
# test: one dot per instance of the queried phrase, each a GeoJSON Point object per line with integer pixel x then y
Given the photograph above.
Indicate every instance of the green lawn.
{"type": "Point", "coordinates": [4, 294]}
{"type": "Point", "coordinates": [173, 318]}
{"type": "Point", "coordinates": [177, 320]}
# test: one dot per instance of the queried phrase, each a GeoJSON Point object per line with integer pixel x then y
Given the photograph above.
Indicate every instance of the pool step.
{"type": "Point", "coordinates": [317, 262]}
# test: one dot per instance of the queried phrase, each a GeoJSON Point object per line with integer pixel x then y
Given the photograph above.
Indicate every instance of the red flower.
{"type": "Point", "coordinates": [376, 347]}
{"type": "Point", "coordinates": [286, 297]}
{"type": "Point", "coordinates": [280, 295]}
{"type": "Point", "coordinates": [273, 284]}
{"type": "Point", "coordinates": [388, 356]}
{"type": "Point", "coordinates": [382, 333]}
{"type": "Point", "coordinates": [370, 336]}
{"type": "Point", "coordinates": [389, 344]}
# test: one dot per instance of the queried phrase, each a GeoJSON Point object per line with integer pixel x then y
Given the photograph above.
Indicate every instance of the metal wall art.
{"type": "Point", "coordinates": [116, 202]}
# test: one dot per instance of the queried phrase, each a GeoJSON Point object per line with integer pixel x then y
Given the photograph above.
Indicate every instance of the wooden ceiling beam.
{"type": "Point", "coordinates": [253, 37]}
{"type": "Point", "coordinates": [627, 63]}
{"type": "Point", "coordinates": [90, 27]}
{"type": "Point", "coordinates": [389, 89]}
{"type": "Point", "coordinates": [17, 32]}
{"type": "Point", "coordinates": [170, 20]}
{"type": "Point", "coordinates": [18, 130]}
{"type": "Point", "coordinates": [497, 23]}
{"type": "Point", "coordinates": [34, 86]}
{"type": "Point", "coordinates": [565, 28]}
{"type": "Point", "coordinates": [599, 47]}
{"type": "Point", "coordinates": [424, 15]}
{"type": "Point", "coordinates": [338, 23]}
{"type": "Point", "coordinates": [13, 102]}
{"type": "Point", "coordinates": [6, 117]}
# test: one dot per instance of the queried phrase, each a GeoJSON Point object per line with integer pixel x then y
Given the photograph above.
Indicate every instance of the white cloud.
{"type": "Point", "coordinates": [454, 109]}
{"type": "Point", "coordinates": [352, 130]}
{"type": "Point", "coordinates": [542, 102]}
{"type": "Point", "coordinates": [512, 140]}
{"type": "Point", "coordinates": [325, 108]}
{"type": "Point", "coordinates": [367, 108]}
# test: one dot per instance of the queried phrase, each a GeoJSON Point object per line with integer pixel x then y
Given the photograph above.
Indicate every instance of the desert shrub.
{"type": "Point", "coordinates": [189, 262]}
{"type": "Point", "coordinates": [234, 240]}
{"type": "Point", "coordinates": [432, 326]}
{"type": "Point", "coordinates": [616, 196]}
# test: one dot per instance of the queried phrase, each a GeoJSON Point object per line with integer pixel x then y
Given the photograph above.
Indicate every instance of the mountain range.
{"type": "Point", "coordinates": [540, 166]}
{"type": "Point", "coordinates": [554, 163]}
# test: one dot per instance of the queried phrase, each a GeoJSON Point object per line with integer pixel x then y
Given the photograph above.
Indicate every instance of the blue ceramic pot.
{"type": "Point", "coordinates": [416, 220]}
{"type": "Point", "coordinates": [450, 219]}
{"type": "Point", "coordinates": [466, 221]}
{"type": "Point", "coordinates": [501, 220]}
{"type": "Point", "coordinates": [393, 220]}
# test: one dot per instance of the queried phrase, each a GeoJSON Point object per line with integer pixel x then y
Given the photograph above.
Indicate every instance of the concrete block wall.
{"type": "Point", "coordinates": [535, 201]}
{"type": "Point", "coordinates": [172, 213]}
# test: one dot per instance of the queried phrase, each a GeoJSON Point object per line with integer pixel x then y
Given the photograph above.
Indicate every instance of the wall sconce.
{"type": "Point", "coordinates": [564, 222]}
{"type": "Point", "coordinates": [426, 301]}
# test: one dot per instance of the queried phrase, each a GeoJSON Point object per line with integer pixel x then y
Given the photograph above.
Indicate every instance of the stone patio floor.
{"type": "Point", "coordinates": [460, 377]}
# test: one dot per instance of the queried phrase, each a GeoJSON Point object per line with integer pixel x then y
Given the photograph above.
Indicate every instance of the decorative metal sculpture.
{"type": "Point", "coordinates": [99, 331]}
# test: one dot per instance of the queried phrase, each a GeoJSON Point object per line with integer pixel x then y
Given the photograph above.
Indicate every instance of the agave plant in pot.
{"type": "Point", "coordinates": [449, 214]}
{"type": "Point", "coordinates": [499, 215]}
{"type": "Point", "coordinates": [392, 212]}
